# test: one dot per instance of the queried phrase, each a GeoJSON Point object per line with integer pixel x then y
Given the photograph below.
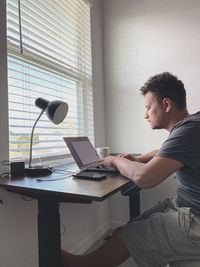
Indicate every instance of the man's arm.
{"type": "Point", "coordinates": [147, 157]}
{"type": "Point", "coordinates": [141, 158]}
{"type": "Point", "coordinates": [147, 175]}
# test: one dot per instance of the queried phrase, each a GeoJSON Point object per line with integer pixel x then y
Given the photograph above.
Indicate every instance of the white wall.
{"type": "Point", "coordinates": [142, 38]}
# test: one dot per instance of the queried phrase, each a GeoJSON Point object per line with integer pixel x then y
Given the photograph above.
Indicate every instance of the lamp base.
{"type": "Point", "coordinates": [42, 171]}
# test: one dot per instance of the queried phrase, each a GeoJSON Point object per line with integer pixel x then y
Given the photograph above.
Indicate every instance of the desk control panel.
{"type": "Point", "coordinates": [129, 188]}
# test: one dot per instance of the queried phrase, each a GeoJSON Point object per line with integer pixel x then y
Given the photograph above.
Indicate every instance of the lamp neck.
{"type": "Point", "coordinates": [31, 142]}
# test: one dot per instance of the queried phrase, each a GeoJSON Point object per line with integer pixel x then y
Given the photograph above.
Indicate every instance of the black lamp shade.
{"type": "Point", "coordinates": [57, 111]}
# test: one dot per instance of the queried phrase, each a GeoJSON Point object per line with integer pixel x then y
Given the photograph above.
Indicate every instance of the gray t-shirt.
{"type": "Point", "coordinates": [183, 144]}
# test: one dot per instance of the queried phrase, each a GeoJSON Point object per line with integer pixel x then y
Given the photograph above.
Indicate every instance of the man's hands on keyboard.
{"type": "Point", "coordinates": [106, 162]}
{"type": "Point", "coordinates": [103, 167]}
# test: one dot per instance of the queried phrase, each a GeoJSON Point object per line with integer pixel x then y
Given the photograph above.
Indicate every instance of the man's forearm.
{"type": "Point", "coordinates": [147, 157]}
{"type": "Point", "coordinates": [128, 168]}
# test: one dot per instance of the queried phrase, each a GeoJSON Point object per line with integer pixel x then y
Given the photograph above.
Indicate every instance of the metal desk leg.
{"type": "Point", "coordinates": [134, 205]}
{"type": "Point", "coordinates": [49, 243]}
{"type": "Point", "coordinates": [133, 192]}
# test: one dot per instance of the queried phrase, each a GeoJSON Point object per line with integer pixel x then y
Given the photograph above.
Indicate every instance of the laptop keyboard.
{"type": "Point", "coordinates": [101, 169]}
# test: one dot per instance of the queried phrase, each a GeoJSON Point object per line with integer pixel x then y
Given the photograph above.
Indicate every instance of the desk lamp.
{"type": "Point", "coordinates": [56, 112]}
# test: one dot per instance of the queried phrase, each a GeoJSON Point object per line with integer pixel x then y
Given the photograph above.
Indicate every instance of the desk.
{"type": "Point", "coordinates": [71, 190]}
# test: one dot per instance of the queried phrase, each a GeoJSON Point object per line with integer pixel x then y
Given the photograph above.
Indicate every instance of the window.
{"type": "Point", "coordinates": [49, 56]}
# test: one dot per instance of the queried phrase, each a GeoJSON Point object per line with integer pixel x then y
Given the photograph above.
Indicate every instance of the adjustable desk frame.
{"type": "Point", "coordinates": [49, 241]}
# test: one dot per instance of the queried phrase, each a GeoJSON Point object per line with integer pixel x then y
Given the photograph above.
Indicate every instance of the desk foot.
{"type": "Point", "coordinates": [134, 205]}
{"type": "Point", "coordinates": [49, 243]}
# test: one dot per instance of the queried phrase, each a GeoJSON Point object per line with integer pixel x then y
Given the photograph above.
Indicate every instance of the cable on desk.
{"type": "Point", "coordinates": [52, 179]}
{"type": "Point", "coordinates": [5, 175]}
{"type": "Point", "coordinates": [58, 170]}
{"type": "Point", "coordinates": [65, 169]}
{"type": "Point", "coordinates": [64, 172]}
{"type": "Point", "coordinates": [70, 173]}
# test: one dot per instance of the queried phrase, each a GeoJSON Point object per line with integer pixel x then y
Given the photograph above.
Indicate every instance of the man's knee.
{"type": "Point", "coordinates": [120, 246]}
{"type": "Point", "coordinates": [117, 236]}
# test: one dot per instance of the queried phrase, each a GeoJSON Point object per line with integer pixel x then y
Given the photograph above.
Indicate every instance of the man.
{"type": "Point", "coordinates": [169, 231]}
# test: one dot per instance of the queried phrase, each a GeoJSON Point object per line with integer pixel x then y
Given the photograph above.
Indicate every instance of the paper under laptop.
{"type": "Point", "coordinates": [85, 154]}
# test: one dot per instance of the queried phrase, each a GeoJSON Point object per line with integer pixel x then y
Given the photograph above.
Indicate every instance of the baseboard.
{"type": "Point", "coordinates": [115, 224]}
{"type": "Point", "coordinates": [88, 242]}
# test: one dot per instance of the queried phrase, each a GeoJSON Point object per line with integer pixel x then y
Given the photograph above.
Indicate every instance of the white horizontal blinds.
{"type": "Point", "coordinates": [55, 30]}
{"type": "Point", "coordinates": [55, 63]}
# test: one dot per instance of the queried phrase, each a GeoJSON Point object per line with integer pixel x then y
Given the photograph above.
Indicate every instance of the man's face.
{"type": "Point", "coordinates": [155, 111]}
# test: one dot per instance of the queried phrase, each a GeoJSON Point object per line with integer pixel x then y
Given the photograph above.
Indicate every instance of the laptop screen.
{"type": "Point", "coordinates": [86, 151]}
{"type": "Point", "coordinates": [82, 150]}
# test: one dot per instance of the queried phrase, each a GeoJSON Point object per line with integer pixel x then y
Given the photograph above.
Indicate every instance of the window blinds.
{"type": "Point", "coordinates": [49, 56]}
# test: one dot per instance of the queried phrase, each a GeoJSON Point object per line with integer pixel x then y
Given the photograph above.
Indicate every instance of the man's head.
{"type": "Point", "coordinates": [165, 99]}
{"type": "Point", "coordinates": [166, 85]}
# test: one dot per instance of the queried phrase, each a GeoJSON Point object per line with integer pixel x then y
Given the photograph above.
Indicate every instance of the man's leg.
{"type": "Point", "coordinates": [111, 254]}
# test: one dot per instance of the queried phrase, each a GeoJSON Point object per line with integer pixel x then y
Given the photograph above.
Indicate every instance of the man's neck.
{"type": "Point", "coordinates": [177, 117]}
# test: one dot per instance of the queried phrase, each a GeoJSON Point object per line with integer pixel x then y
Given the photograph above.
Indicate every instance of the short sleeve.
{"type": "Point", "coordinates": [183, 144]}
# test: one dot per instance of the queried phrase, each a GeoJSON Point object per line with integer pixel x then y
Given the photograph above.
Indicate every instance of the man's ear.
{"type": "Point", "coordinates": [167, 104]}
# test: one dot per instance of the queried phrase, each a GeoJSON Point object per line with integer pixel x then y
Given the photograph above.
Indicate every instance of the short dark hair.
{"type": "Point", "coordinates": [166, 85]}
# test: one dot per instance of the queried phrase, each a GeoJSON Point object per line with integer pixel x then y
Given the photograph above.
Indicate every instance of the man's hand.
{"type": "Point", "coordinates": [107, 161]}
{"type": "Point", "coordinates": [129, 156]}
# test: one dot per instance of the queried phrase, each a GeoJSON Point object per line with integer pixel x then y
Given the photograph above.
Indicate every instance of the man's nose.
{"type": "Point", "coordinates": [146, 115]}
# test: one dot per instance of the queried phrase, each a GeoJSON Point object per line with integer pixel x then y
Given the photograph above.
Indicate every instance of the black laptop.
{"type": "Point", "coordinates": [85, 154]}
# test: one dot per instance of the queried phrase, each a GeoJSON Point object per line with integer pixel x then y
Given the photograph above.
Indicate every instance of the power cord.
{"type": "Point", "coordinates": [58, 170]}
{"type": "Point", "coordinates": [4, 174]}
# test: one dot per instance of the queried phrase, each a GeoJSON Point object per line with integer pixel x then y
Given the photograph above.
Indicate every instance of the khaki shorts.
{"type": "Point", "coordinates": [166, 233]}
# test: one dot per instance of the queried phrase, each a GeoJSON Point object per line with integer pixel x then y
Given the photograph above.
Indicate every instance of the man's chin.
{"type": "Point", "coordinates": [155, 127]}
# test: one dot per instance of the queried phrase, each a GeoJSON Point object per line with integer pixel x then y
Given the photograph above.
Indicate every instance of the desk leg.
{"type": "Point", "coordinates": [49, 243]}
{"type": "Point", "coordinates": [134, 205]}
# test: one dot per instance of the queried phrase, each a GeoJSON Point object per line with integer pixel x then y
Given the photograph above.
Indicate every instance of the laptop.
{"type": "Point", "coordinates": [85, 154]}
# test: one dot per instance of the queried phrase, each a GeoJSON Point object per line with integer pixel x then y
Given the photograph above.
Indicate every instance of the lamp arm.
{"type": "Point", "coordinates": [31, 142]}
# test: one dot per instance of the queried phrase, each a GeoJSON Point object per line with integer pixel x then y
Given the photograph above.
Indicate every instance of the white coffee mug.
{"type": "Point", "coordinates": [103, 151]}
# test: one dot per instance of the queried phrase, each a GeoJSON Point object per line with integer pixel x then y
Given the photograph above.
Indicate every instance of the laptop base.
{"type": "Point", "coordinates": [103, 170]}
